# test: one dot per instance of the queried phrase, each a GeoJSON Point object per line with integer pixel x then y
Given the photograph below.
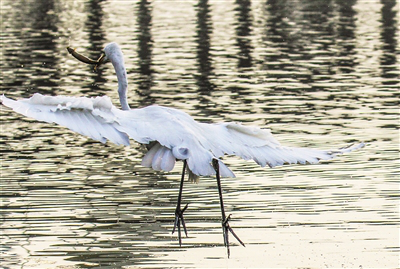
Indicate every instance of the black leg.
{"type": "Point", "coordinates": [178, 211]}
{"type": "Point", "coordinates": [225, 220]}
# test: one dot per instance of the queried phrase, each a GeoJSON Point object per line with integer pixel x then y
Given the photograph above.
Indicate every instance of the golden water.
{"type": "Point", "coordinates": [320, 74]}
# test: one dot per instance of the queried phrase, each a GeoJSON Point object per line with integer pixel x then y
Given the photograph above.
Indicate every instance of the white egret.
{"type": "Point", "coordinates": [169, 134]}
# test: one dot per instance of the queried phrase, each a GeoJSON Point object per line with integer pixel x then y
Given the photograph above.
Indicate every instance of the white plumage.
{"type": "Point", "coordinates": [169, 134]}
{"type": "Point", "coordinates": [177, 135]}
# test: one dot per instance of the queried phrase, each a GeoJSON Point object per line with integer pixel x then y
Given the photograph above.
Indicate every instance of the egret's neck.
{"type": "Point", "coordinates": [122, 82]}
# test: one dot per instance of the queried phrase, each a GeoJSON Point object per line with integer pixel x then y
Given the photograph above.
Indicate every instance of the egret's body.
{"type": "Point", "coordinates": [169, 133]}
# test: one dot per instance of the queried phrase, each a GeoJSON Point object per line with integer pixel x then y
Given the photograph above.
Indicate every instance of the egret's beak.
{"type": "Point", "coordinates": [80, 57]}
{"type": "Point", "coordinates": [102, 59]}
{"type": "Point", "coordinates": [87, 60]}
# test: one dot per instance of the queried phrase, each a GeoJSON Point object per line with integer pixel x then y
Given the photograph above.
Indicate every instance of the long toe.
{"type": "Point", "coordinates": [226, 230]}
{"type": "Point", "coordinates": [178, 221]}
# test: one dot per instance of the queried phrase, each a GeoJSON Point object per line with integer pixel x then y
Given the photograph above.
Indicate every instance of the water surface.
{"type": "Point", "coordinates": [320, 74]}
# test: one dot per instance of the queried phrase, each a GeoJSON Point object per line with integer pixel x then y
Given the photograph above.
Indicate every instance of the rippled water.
{"type": "Point", "coordinates": [318, 73]}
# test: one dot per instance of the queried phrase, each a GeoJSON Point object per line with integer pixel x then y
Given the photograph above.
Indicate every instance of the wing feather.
{"type": "Point", "coordinates": [87, 116]}
{"type": "Point", "coordinates": [177, 135]}
{"type": "Point", "coordinates": [259, 145]}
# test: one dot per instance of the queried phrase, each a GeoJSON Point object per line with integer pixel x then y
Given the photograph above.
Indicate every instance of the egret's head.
{"type": "Point", "coordinates": [111, 52]}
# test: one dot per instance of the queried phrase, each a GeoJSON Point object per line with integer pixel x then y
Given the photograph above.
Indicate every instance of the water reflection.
{"type": "Point", "coordinates": [285, 43]}
{"type": "Point", "coordinates": [243, 33]}
{"type": "Point", "coordinates": [346, 38]}
{"type": "Point", "coordinates": [35, 52]}
{"type": "Point", "coordinates": [96, 37]}
{"type": "Point", "coordinates": [204, 30]}
{"type": "Point", "coordinates": [321, 21]}
{"type": "Point", "coordinates": [280, 28]}
{"type": "Point", "coordinates": [145, 46]}
{"type": "Point", "coordinates": [389, 64]}
{"type": "Point", "coordinates": [319, 35]}
{"type": "Point", "coordinates": [44, 21]}
{"type": "Point", "coordinates": [312, 70]}
{"type": "Point", "coordinates": [204, 83]}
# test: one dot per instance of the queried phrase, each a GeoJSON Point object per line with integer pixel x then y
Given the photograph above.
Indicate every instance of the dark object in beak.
{"type": "Point", "coordinates": [102, 59]}
{"type": "Point", "coordinates": [80, 57]}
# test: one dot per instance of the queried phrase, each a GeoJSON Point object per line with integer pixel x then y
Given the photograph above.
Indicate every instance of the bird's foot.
{"type": "Point", "coordinates": [178, 220]}
{"type": "Point", "coordinates": [226, 229]}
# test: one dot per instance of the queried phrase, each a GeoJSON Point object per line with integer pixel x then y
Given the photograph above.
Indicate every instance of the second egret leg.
{"type": "Point", "coordinates": [225, 220]}
{"type": "Point", "coordinates": [178, 211]}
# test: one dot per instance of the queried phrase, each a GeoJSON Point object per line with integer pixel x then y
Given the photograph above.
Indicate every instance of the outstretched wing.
{"type": "Point", "coordinates": [93, 117]}
{"type": "Point", "coordinates": [99, 119]}
{"type": "Point", "coordinates": [199, 143]}
{"type": "Point", "coordinates": [170, 133]}
{"type": "Point", "coordinates": [253, 143]}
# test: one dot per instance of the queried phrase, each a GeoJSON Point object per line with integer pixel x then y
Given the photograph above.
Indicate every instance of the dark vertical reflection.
{"type": "Point", "coordinates": [243, 42]}
{"type": "Point", "coordinates": [243, 33]}
{"type": "Point", "coordinates": [41, 48]}
{"type": "Point", "coordinates": [93, 27]}
{"type": "Point", "coordinates": [145, 46]}
{"type": "Point", "coordinates": [388, 61]}
{"type": "Point", "coordinates": [204, 29]}
{"type": "Point", "coordinates": [346, 37]}
{"type": "Point", "coordinates": [205, 70]}
{"type": "Point", "coordinates": [317, 13]}
{"type": "Point", "coordinates": [283, 39]}
{"type": "Point", "coordinates": [296, 29]}
{"type": "Point", "coordinates": [280, 24]}
{"type": "Point", "coordinates": [279, 33]}
{"type": "Point", "coordinates": [320, 35]}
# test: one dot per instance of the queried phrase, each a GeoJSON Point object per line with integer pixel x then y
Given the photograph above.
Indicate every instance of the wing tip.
{"type": "Point", "coordinates": [349, 148]}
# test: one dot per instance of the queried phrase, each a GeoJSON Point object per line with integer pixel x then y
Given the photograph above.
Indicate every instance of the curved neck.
{"type": "Point", "coordinates": [122, 82]}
